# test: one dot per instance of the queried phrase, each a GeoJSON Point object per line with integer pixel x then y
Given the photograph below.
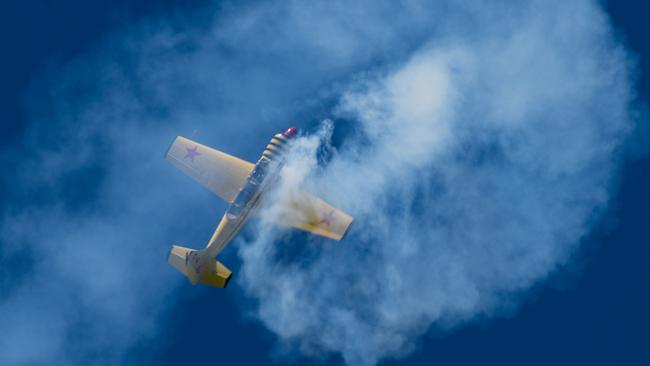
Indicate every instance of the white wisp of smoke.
{"type": "Point", "coordinates": [483, 139]}
{"type": "Point", "coordinates": [468, 185]}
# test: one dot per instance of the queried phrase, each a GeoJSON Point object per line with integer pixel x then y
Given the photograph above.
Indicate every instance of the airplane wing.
{"type": "Point", "coordinates": [221, 173]}
{"type": "Point", "coordinates": [312, 214]}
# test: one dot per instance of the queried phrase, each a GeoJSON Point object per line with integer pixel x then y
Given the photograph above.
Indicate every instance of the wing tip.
{"type": "Point", "coordinates": [171, 145]}
{"type": "Point", "coordinates": [347, 229]}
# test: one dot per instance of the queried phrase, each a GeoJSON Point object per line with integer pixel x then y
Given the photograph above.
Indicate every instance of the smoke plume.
{"type": "Point", "coordinates": [475, 143]}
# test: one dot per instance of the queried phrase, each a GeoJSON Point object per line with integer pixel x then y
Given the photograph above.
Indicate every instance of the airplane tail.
{"type": "Point", "coordinates": [193, 264]}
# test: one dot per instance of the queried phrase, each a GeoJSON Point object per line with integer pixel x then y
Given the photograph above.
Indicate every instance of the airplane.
{"type": "Point", "coordinates": [243, 185]}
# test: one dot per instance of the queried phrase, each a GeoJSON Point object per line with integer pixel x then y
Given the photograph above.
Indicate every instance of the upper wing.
{"type": "Point", "coordinates": [312, 214]}
{"type": "Point", "coordinates": [221, 173]}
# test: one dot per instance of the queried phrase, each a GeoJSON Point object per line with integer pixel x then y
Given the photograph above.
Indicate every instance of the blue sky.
{"type": "Point", "coordinates": [507, 146]}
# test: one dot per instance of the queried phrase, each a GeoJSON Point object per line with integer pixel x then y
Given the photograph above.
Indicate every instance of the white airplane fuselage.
{"type": "Point", "coordinates": [262, 177]}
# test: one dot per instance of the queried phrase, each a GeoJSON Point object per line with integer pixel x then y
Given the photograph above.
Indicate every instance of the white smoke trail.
{"type": "Point", "coordinates": [482, 139]}
{"type": "Point", "coordinates": [477, 167]}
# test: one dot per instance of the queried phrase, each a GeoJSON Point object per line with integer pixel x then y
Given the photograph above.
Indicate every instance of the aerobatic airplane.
{"type": "Point", "coordinates": [243, 185]}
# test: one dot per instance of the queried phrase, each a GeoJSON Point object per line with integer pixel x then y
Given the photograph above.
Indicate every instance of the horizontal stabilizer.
{"type": "Point", "coordinates": [197, 267]}
{"type": "Point", "coordinates": [179, 259]}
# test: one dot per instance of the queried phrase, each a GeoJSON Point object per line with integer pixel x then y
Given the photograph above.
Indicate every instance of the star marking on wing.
{"type": "Point", "coordinates": [327, 218]}
{"type": "Point", "coordinates": [191, 153]}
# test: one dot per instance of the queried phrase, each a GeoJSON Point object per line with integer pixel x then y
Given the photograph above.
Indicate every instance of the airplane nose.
{"type": "Point", "coordinates": [291, 131]}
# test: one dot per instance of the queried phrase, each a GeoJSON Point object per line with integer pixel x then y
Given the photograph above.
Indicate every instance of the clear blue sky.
{"type": "Point", "coordinates": [592, 311]}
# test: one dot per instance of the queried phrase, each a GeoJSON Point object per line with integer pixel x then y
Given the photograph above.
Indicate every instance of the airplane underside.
{"type": "Point", "coordinates": [243, 185]}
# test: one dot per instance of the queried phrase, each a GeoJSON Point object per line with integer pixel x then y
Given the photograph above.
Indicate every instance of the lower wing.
{"type": "Point", "coordinates": [312, 214]}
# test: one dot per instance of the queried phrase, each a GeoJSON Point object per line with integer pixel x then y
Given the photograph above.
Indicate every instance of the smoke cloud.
{"type": "Point", "coordinates": [475, 169]}
{"type": "Point", "coordinates": [475, 144]}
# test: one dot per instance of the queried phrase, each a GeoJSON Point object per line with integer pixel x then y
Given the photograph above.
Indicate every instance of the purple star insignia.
{"type": "Point", "coordinates": [191, 153]}
{"type": "Point", "coordinates": [327, 218]}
